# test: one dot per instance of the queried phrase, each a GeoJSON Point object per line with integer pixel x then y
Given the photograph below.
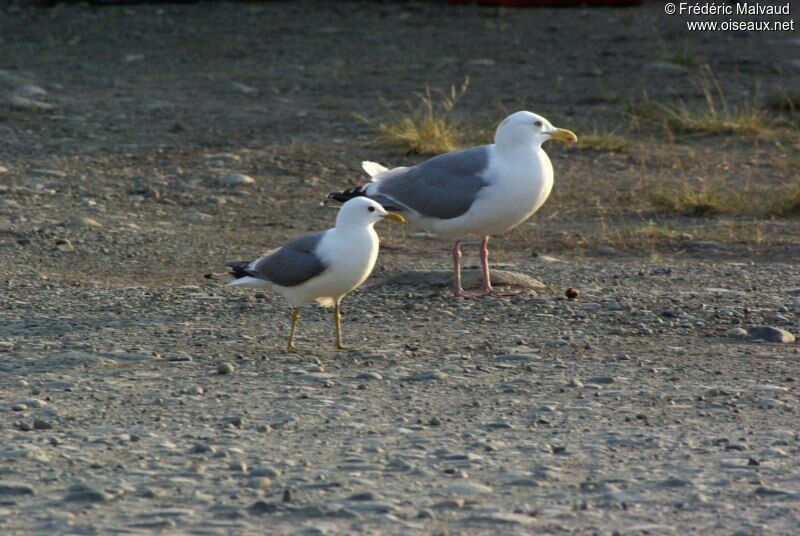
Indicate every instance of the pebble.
{"type": "Point", "coordinates": [425, 376]}
{"type": "Point", "coordinates": [19, 407]}
{"type": "Point", "coordinates": [17, 102]}
{"type": "Point", "coordinates": [86, 494]}
{"type": "Point", "coordinates": [572, 293]}
{"type": "Point", "coordinates": [84, 222]}
{"type": "Point", "coordinates": [737, 333]}
{"type": "Point", "coordinates": [239, 466]}
{"type": "Point", "coordinates": [225, 368]}
{"type": "Point", "coordinates": [233, 180]}
{"type": "Point", "coordinates": [235, 88]}
{"type": "Point", "coordinates": [41, 424]}
{"type": "Point", "coordinates": [601, 380]}
{"type": "Point", "coordinates": [64, 245]}
{"type": "Point", "coordinates": [15, 488]}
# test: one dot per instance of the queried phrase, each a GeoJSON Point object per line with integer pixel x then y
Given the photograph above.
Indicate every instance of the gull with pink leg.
{"type": "Point", "coordinates": [481, 191]}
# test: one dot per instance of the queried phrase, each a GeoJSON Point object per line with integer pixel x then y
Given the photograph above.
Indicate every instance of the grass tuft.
{"type": "Point", "coordinates": [715, 116]}
{"type": "Point", "coordinates": [605, 142]}
{"type": "Point", "coordinates": [687, 199]}
{"type": "Point", "coordinates": [682, 54]}
{"type": "Point", "coordinates": [428, 127]}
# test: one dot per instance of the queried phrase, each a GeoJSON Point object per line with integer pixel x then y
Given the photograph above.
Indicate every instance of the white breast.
{"type": "Point", "coordinates": [350, 255]}
{"type": "Point", "coordinates": [520, 183]}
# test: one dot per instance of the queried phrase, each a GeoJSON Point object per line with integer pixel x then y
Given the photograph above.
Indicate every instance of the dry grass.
{"type": "Point", "coordinates": [606, 142]}
{"type": "Point", "coordinates": [429, 126]}
{"type": "Point", "coordinates": [715, 116]}
{"type": "Point", "coordinates": [681, 54]}
{"type": "Point", "coordinates": [717, 198]}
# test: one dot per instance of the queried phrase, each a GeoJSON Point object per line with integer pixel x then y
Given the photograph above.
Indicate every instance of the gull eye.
{"type": "Point", "coordinates": [538, 123]}
{"type": "Point", "coordinates": [371, 209]}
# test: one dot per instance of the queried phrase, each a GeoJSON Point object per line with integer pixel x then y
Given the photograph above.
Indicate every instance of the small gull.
{"type": "Point", "coordinates": [479, 191]}
{"type": "Point", "coordinates": [322, 266]}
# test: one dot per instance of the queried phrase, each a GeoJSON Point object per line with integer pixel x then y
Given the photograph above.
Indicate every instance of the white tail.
{"type": "Point", "coordinates": [373, 168]}
{"type": "Point", "coordinates": [250, 282]}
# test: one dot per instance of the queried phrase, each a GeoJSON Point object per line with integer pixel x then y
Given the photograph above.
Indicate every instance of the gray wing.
{"type": "Point", "coordinates": [443, 187]}
{"type": "Point", "coordinates": [291, 265]}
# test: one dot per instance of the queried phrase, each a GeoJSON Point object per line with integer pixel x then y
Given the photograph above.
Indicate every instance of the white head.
{"type": "Point", "coordinates": [363, 212]}
{"type": "Point", "coordinates": [526, 128]}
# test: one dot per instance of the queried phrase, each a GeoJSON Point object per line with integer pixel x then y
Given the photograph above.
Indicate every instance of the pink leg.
{"type": "Point", "coordinates": [457, 290]}
{"type": "Point", "coordinates": [486, 288]}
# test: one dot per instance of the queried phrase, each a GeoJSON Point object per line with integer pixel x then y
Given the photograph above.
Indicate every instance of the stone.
{"type": "Point", "coordinates": [64, 245]}
{"type": "Point", "coordinates": [470, 279]}
{"type": "Point", "coordinates": [41, 424]}
{"type": "Point", "coordinates": [225, 368]}
{"type": "Point", "coordinates": [663, 67]}
{"type": "Point", "coordinates": [15, 488]}
{"type": "Point", "coordinates": [17, 102]}
{"type": "Point", "coordinates": [233, 180]}
{"type": "Point", "coordinates": [84, 222]}
{"type": "Point", "coordinates": [86, 494]}
{"type": "Point", "coordinates": [235, 88]}
{"type": "Point", "coordinates": [770, 334]}
{"type": "Point", "coordinates": [30, 91]}
{"type": "Point", "coordinates": [572, 293]}
{"type": "Point", "coordinates": [425, 376]}
{"type": "Point", "coordinates": [737, 333]}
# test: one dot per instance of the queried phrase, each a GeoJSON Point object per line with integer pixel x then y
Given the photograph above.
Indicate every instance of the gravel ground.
{"type": "Point", "coordinates": [136, 398]}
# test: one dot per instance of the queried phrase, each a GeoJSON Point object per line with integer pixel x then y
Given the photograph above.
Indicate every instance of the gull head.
{"type": "Point", "coordinates": [364, 212]}
{"type": "Point", "coordinates": [526, 128]}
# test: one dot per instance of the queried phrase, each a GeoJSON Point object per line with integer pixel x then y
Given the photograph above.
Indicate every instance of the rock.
{"type": "Point", "coordinates": [601, 380]}
{"type": "Point", "coordinates": [606, 250]}
{"type": "Point", "coordinates": [202, 448]}
{"type": "Point", "coordinates": [238, 466]}
{"type": "Point", "coordinates": [235, 88]}
{"type": "Point", "coordinates": [259, 483]}
{"type": "Point", "coordinates": [30, 91]}
{"type": "Point", "coordinates": [463, 489]}
{"type": "Point", "coordinates": [225, 368]}
{"type": "Point", "coordinates": [265, 471]}
{"type": "Point", "coordinates": [369, 376]}
{"type": "Point", "coordinates": [737, 333]}
{"type": "Point", "coordinates": [470, 279]}
{"type": "Point", "coordinates": [15, 488]}
{"type": "Point", "coordinates": [84, 222]}
{"type": "Point", "coordinates": [18, 407]}
{"type": "Point", "coordinates": [64, 245]}
{"type": "Point", "coordinates": [236, 179]}
{"type": "Point", "coordinates": [663, 67]}
{"type": "Point", "coordinates": [41, 424]}
{"type": "Point", "coordinates": [425, 376]}
{"type": "Point", "coordinates": [572, 293]}
{"type": "Point", "coordinates": [222, 157]}
{"type": "Point", "coordinates": [364, 496]}
{"type": "Point", "coordinates": [770, 334]}
{"type": "Point", "coordinates": [519, 358]}
{"type": "Point", "coordinates": [481, 62]}
{"type": "Point", "coordinates": [86, 494]}
{"type": "Point", "coordinates": [16, 102]}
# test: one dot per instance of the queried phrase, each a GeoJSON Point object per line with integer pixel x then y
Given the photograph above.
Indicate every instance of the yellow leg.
{"type": "Point", "coordinates": [295, 319]}
{"type": "Point", "coordinates": [337, 319]}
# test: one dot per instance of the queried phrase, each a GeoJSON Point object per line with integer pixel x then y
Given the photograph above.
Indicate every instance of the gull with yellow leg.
{"type": "Point", "coordinates": [321, 267]}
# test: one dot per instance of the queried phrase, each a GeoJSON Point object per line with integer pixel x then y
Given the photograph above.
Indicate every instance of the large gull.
{"type": "Point", "coordinates": [322, 266]}
{"type": "Point", "coordinates": [479, 191]}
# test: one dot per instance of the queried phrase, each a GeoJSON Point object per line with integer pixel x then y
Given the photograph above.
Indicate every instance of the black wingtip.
{"type": "Point", "coordinates": [238, 269]}
{"type": "Point", "coordinates": [347, 195]}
